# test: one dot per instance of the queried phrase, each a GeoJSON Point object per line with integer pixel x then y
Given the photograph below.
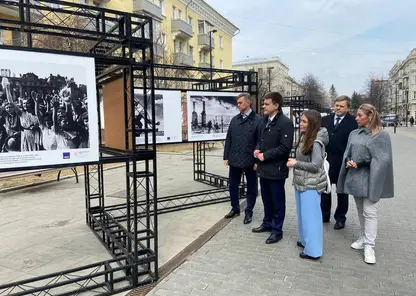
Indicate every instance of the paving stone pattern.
{"type": "Point", "coordinates": [238, 262]}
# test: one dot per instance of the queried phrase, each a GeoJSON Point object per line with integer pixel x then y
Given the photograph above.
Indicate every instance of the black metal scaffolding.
{"type": "Point", "coordinates": [119, 43]}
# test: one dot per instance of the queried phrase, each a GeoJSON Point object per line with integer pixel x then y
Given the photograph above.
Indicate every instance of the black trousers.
{"type": "Point", "coordinates": [341, 210]}
{"type": "Point", "coordinates": [274, 201]}
{"type": "Point", "coordinates": [235, 179]}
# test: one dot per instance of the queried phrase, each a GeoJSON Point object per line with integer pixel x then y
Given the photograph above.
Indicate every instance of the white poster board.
{"type": "Point", "coordinates": [209, 114]}
{"type": "Point", "coordinates": [286, 111]}
{"type": "Point", "coordinates": [48, 109]}
{"type": "Point", "coordinates": [167, 116]}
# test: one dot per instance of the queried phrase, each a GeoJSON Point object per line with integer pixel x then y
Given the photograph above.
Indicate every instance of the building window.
{"type": "Point", "coordinates": [178, 46]}
{"type": "Point", "coordinates": [212, 62]}
{"type": "Point", "coordinates": [414, 95]}
{"type": "Point", "coordinates": [174, 12]}
{"type": "Point", "coordinates": [191, 50]}
{"type": "Point", "coordinates": [201, 27]}
{"type": "Point", "coordinates": [162, 6]}
{"type": "Point", "coordinates": [179, 14]}
{"type": "Point", "coordinates": [190, 21]}
{"type": "Point", "coordinates": [221, 46]}
{"type": "Point", "coordinates": [221, 64]}
{"type": "Point", "coordinates": [260, 72]}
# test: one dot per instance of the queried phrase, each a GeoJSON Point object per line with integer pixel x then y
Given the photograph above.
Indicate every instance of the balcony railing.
{"type": "Point", "coordinates": [148, 8]}
{"type": "Point", "coordinates": [181, 58]}
{"type": "Point", "coordinates": [182, 29]}
{"type": "Point", "coordinates": [203, 40]}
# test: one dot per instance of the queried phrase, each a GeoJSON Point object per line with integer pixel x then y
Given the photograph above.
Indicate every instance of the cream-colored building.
{"type": "Point", "coordinates": [185, 31]}
{"type": "Point", "coordinates": [293, 88]}
{"type": "Point", "coordinates": [402, 80]}
{"type": "Point", "coordinates": [273, 75]}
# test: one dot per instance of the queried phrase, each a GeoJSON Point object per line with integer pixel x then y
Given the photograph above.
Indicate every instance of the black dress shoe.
{"type": "Point", "coordinates": [273, 238]}
{"type": "Point", "coordinates": [299, 244]}
{"type": "Point", "coordinates": [304, 256]}
{"type": "Point", "coordinates": [247, 219]}
{"type": "Point", "coordinates": [339, 225]}
{"type": "Point", "coordinates": [232, 214]}
{"type": "Point", "coordinates": [261, 229]}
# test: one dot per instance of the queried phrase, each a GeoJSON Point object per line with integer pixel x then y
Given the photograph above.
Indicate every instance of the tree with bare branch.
{"type": "Point", "coordinates": [376, 92]}
{"type": "Point", "coordinates": [313, 89]}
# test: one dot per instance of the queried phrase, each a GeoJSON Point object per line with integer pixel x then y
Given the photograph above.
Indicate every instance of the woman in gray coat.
{"type": "Point", "coordinates": [367, 174]}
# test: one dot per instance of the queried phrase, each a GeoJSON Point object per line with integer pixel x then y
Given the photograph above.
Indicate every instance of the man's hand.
{"type": "Point", "coordinates": [256, 153]}
{"type": "Point", "coordinates": [351, 164]}
{"type": "Point", "coordinates": [291, 163]}
{"type": "Point", "coordinates": [260, 157]}
{"type": "Point", "coordinates": [226, 163]}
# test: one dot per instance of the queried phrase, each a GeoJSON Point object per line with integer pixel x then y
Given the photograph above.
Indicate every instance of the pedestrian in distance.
{"type": "Point", "coordinates": [240, 143]}
{"type": "Point", "coordinates": [367, 174]}
{"type": "Point", "coordinates": [339, 126]}
{"type": "Point", "coordinates": [272, 153]}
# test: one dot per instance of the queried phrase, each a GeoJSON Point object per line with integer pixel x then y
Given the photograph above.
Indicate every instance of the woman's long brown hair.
{"type": "Point", "coordinates": [314, 123]}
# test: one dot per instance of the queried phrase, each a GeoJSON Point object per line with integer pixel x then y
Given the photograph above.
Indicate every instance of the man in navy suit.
{"type": "Point", "coordinates": [339, 126]}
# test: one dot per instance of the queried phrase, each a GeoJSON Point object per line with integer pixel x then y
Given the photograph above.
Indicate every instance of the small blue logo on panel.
{"type": "Point", "coordinates": [66, 155]}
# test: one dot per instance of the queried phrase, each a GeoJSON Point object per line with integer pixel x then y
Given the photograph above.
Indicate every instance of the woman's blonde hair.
{"type": "Point", "coordinates": [371, 112]}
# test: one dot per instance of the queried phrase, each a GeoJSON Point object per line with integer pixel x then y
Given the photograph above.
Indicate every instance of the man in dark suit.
{"type": "Point", "coordinates": [272, 152]}
{"type": "Point", "coordinates": [339, 126]}
{"type": "Point", "coordinates": [240, 143]}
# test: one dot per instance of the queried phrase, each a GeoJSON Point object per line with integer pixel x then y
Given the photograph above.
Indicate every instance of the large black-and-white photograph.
{"type": "Point", "coordinates": [209, 114]}
{"type": "Point", "coordinates": [167, 124]}
{"type": "Point", "coordinates": [45, 106]}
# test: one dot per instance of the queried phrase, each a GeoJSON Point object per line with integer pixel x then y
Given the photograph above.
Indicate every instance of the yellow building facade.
{"type": "Point", "coordinates": [184, 30]}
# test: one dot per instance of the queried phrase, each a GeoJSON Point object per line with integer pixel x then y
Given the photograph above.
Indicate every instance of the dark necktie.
{"type": "Point", "coordinates": [337, 123]}
{"type": "Point", "coordinates": [268, 123]}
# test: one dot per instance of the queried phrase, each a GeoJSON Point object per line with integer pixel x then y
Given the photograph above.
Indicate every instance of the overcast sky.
{"type": "Point", "coordinates": [340, 41]}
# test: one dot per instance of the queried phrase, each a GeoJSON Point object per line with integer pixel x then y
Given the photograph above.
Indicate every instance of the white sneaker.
{"type": "Point", "coordinates": [369, 255]}
{"type": "Point", "coordinates": [358, 244]}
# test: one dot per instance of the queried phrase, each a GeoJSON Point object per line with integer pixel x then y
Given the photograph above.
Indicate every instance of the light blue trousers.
{"type": "Point", "coordinates": [308, 207]}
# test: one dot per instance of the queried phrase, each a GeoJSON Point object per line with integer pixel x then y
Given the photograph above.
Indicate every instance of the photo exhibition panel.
{"type": "Point", "coordinates": [168, 116]}
{"type": "Point", "coordinates": [48, 109]}
{"type": "Point", "coordinates": [209, 114]}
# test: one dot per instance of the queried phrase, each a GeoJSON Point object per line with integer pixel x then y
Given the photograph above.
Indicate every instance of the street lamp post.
{"type": "Point", "coordinates": [407, 105]}
{"type": "Point", "coordinates": [210, 55]}
{"type": "Point", "coordinates": [395, 112]}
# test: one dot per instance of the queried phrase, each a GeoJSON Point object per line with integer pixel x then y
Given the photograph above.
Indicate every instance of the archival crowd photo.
{"type": "Point", "coordinates": [210, 114]}
{"type": "Point", "coordinates": [44, 107]}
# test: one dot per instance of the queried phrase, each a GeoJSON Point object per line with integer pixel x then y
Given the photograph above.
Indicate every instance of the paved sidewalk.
{"type": "Point", "coordinates": [238, 262]}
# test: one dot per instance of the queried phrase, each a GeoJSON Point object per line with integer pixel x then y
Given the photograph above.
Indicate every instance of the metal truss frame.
{"type": "Point", "coordinates": [118, 42]}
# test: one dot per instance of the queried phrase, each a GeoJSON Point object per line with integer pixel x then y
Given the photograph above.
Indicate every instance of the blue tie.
{"type": "Point", "coordinates": [338, 120]}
